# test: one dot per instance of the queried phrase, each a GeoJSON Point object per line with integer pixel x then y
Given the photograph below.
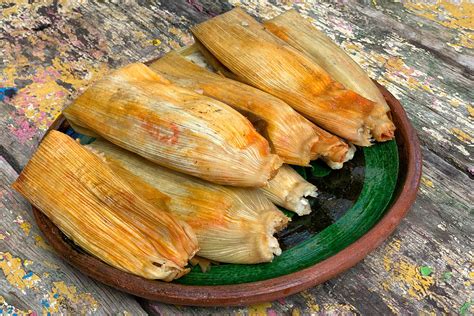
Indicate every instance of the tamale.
{"type": "Point", "coordinates": [329, 148]}
{"type": "Point", "coordinates": [137, 109]}
{"type": "Point", "coordinates": [290, 135]}
{"type": "Point", "coordinates": [268, 63]}
{"type": "Point", "coordinates": [292, 28]}
{"type": "Point", "coordinates": [232, 225]}
{"type": "Point", "coordinates": [289, 190]}
{"type": "Point", "coordinates": [101, 213]}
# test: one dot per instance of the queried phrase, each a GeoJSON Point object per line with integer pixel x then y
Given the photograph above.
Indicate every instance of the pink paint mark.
{"type": "Point", "coordinates": [23, 99]}
{"type": "Point", "coordinates": [46, 75]}
{"type": "Point", "coordinates": [271, 312]}
{"type": "Point", "coordinates": [59, 94]}
{"type": "Point", "coordinates": [97, 54]}
{"type": "Point", "coordinates": [195, 4]}
{"type": "Point", "coordinates": [281, 301]}
{"type": "Point", "coordinates": [22, 130]}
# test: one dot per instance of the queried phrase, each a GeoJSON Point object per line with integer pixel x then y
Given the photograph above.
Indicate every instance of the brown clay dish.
{"type": "Point", "coordinates": [271, 289]}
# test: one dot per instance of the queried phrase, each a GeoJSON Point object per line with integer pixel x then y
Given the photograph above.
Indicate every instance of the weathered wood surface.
{"type": "Point", "coordinates": [421, 53]}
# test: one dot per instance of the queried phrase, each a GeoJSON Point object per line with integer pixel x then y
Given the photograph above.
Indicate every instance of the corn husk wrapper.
{"type": "Point", "coordinates": [100, 212]}
{"type": "Point", "coordinates": [290, 135]}
{"type": "Point", "coordinates": [268, 63]}
{"type": "Point", "coordinates": [331, 149]}
{"type": "Point", "coordinates": [200, 55]}
{"type": "Point", "coordinates": [233, 225]}
{"type": "Point", "coordinates": [137, 109]}
{"type": "Point", "coordinates": [290, 190]}
{"type": "Point", "coordinates": [292, 28]}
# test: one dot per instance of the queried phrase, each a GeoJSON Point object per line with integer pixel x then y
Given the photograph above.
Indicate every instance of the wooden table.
{"type": "Point", "coordinates": [423, 54]}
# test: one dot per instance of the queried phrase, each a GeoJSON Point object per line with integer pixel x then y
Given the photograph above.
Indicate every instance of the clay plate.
{"type": "Point", "coordinates": [409, 173]}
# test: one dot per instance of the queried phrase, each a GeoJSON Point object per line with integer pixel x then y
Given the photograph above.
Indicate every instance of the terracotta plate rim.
{"type": "Point", "coordinates": [270, 289]}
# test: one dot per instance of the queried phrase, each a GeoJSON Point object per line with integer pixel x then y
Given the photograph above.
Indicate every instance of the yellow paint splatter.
{"type": "Point", "coordinates": [470, 109]}
{"type": "Point", "coordinates": [42, 101]}
{"type": "Point", "coordinates": [398, 71]}
{"type": "Point", "coordinates": [427, 182]}
{"type": "Point", "coordinates": [2, 236]}
{"type": "Point", "coordinates": [71, 293]}
{"type": "Point", "coordinates": [397, 64]}
{"type": "Point", "coordinates": [350, 46]}
{"type": "Point", "coordinates": [455, 102]}
{"type": "Point", "coordinates": [259, 309]}
{"type": "Point", "coordinates": [27, 262]}
{"type": "Point", "coordinates": [63, 295]}
{"type": "Point", "coordinates": [455, 15]}
{"type": "Point", "coordinates": [461, 135]}
{"type": "Point", "coordinates": [392, 248]}
{"type": "Point", "coordinates": [466, 40]}
{"type": "Point", "coordinates": [296, 312]}
{"type": "Point", "coordinates": [39, 241]}
{"type": "Point", "coordinates": [338, 308]}
{"type": "Point", "coordinates": [8, 76]}
{"type": "Point", "coordinates": [310, 302]}
{"type": "Point", "coordinates": [15, 274]}
{"type": "Point", "coordinates": [24, 225]}
{"type": "Point", "coordinates": [155, 42]}
{"type": "Point", "coordinates": [404, 274]}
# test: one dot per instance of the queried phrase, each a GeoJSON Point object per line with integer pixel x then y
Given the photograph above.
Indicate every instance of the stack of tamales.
{"type": "Point", "coordinates": [194, 152]}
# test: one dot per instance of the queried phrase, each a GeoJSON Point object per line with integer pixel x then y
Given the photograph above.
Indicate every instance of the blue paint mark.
{"type": "Point", "coordinates": [56, 295]}
{"type": "Point", "coordinates": [45, 303]}
{"type": "Point", "coordinates": [26, 276]}
{"type": "Point", "coordinates": [7, 92]}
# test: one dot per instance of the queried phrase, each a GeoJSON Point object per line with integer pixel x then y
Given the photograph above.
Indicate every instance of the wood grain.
{"type": "Point", "coordinates": [77, 42]}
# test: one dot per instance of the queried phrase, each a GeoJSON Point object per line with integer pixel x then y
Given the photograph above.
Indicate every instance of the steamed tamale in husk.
{"type": "Point", "coordinates": [137, 109]}
{"type": "Point", "coordinates": [101, 213]}
{"type": "Point", "coordinates": [290, 135]}
{"type": "Point", "coordinates": [263, 60]}
{"type": "Point", "coordinates": [232, 225]}
{"type": "Point", "coordinates": [302, 35]}
{"type": "Point", "coordinates": [289, 190]}
{"type": "Point", "coordinates": [329, 148]}
{"type": "Point", "coordinates": [332, 150]}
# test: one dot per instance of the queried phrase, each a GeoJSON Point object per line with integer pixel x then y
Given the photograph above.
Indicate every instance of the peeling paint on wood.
{"type": "Point", "coordinates": [52, 50]}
